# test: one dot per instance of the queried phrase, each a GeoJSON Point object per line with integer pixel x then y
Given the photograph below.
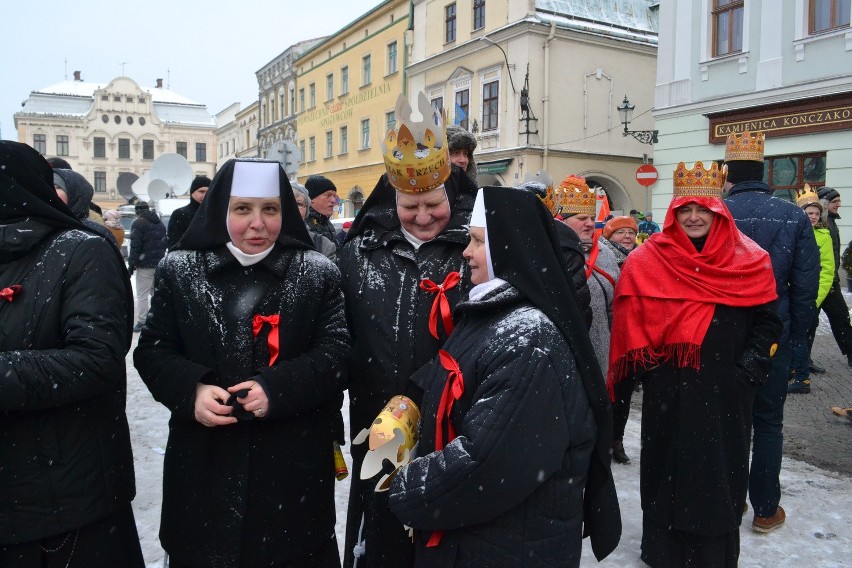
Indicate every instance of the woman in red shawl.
{"type": "Point", "coordinates": [700, 336]}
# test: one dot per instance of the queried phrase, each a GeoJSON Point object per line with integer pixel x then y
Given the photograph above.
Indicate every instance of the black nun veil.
{"type": "Point", "coordinates": [525, 252]}
{"type": "Point", "coordinates": [209, 228]}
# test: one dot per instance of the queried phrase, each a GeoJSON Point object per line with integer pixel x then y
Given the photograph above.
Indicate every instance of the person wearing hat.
{"type": "Point", "coordinates": [701, 347]}
{"type": "Point", "coordinates": [78, 196]}
{"type": "Point", "coordinates": [620, 234]}
{"type": "Point", "coordinates": [513, 458]}
{"type": "Point", "coordinates": [341, 234]}
{"type": "Point", "coordinates": [782, 229]}
{"type": "Point", "coordinates": [807, 199]}
{"type": "Point", "coordinates": [323, 196]}
{"type": "Point", "coordinates": [67, 312]}
{"type": "Point", "coordinates": [462, 144]}
{"type": "Point", "coordinates": [321, 243]}
{"type": "Point", "coordinates": [182, 216]}
{"type": "Point", "coordinates": [147, 249]}
{"type": "Point", "coordinates": [834, 305]}
{"type": "Point", "coordinates": [647, 225]}
{"type": "Point", "coordinates": [244, 346]}
{"type": "Point", "coordinates": [403, 273]}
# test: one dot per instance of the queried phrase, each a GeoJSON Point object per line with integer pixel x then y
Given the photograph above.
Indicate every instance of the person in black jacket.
{"type": "Point", "coordinates": [323, 194]}
{"type": "Point", "coordinates": [516, 430]}
{"type": "Point", "coordinates": [244, 345]}
{"type": "Point", "coordinates": [66, 469]}
{"type": "Point", "coordinates": [147, 249]}
{"type": "Point", "coordinates": [403, 272]}
{"type": "Point", "coordinates": [182, 216]}
{"type": "Point", "coordinates": [834, 305]}
{"type": "Point", "coordinates": [80, 192]}
{"type": "Point", "coordinates": [783, 230]}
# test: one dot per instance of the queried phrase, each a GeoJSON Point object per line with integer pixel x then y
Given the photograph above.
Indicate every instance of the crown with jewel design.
{"type": "Point", "coordinates": [416, 154]}
{"type": "Point", "coordinates": [807, 196]}
{"type": "Point", "coordinates": [577, 198]}
{"type": "Point", "coordinates": [699, 182]}
{"type": "Point", "coordinates": [541, 184]}
{"type": "Point", "coordinates": [745, 146]}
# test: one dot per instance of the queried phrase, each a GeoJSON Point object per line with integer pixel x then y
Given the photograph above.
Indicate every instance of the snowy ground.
{"type": "Point", "coordinates": [817, 533]}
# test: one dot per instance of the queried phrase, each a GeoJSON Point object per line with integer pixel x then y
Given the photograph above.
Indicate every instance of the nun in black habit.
{"type": "Point", "coordinates": [243, 344]}
{"type": "Point", "coordinates": [512, 465]}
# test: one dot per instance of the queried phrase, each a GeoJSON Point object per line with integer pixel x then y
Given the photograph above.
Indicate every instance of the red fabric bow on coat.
{"type": "Point", "coordinates": [9, 293]}
{"type": "Point", "coordinates": [453, 390]}
{"type": "Point", "coordinates": [272, 339]}
{"type": "Point", "coordinates": [441, 303]}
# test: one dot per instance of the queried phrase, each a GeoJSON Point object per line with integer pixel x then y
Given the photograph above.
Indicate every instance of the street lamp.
{"type": "Point", "coordinates": [625, 111]}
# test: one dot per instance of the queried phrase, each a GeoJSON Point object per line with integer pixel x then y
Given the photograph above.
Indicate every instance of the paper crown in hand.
{"type": "Point", "coordinates": [577, 197]}
{"type": "Point", "coordinates": [699, 182]}
{"type": "Point", "coordinates": [807, 196]}
{"type": "Point", "coordinates": [745, 146]}
{"type": "Point", "coordinates": [416, 154]}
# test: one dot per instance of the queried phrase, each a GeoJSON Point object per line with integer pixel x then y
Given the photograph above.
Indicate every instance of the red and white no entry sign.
{"type": "Point", "coordinates": [646, 174]}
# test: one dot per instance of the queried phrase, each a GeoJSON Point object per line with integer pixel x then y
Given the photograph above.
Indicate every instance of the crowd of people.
{"type": "Point", "coordinates": [490, 340]}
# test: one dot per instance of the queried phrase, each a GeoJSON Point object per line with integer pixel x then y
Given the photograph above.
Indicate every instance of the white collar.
{"type": "Point", "coordinates": [248, 259]}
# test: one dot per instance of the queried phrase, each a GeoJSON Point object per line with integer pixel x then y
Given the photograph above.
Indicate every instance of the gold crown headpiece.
{"type": "Point", "coordinates": [416, 154]}
{"type": "Point", "coordinates": [699, 182]}
{"type": "Point", "coordinates": [745, 146]}
{"type": "Point", "coordinates": [807, 196]}
{"type": "Point", "coordinates": [577, 197]}
{"type": "Point", "coordinates": [541, 184]}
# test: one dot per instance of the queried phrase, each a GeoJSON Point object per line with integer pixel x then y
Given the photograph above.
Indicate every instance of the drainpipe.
{"type": "Point", "coordinates": [546, 100]}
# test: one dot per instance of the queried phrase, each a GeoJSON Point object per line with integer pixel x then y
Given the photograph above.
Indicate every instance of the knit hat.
{"type": "Point", "coordinates": [617, 223]}
{"type": "Point", "coordinates": [59, 164]}
{"type": "Point", "coordinates": [199, 182]}
{"type": "Point", "coordinates": [827, 193]}
{"type": "Point", "coordinates": [317, 185]}
{"type": "Point", "coordinates": [141, 207]}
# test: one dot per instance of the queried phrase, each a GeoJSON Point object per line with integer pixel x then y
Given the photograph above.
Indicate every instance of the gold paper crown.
{"type": "Point", "coordinates": [698, 182]}
{"type": "Point", "coordinates": [807, 196]}
{"type": "Point", "coordinates": [416, 154]}
{"type": "Point", "coordinates": [577, 198]}
{"type": "Point", "coordinates": [745, 146]}
{"type": "Point", "coordinates": [550, 196]}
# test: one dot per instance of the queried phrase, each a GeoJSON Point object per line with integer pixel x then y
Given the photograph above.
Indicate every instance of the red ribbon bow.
{"type": "Point", "coordinates": [441, 303]}
{"type": "Point", "coordinates": [453, 389]}
{"type": "Point", "coordinates": [9, 293]}
{"type": "Point", "coordinates": [272, 339]}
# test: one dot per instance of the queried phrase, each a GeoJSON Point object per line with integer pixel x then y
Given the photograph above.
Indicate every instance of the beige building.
{"type": "Point", "coordinates": [237, 134]}
{"type": "Point", "coordinates": [538, 83]}
{"type": "Point", "coordinates": [346, 91]}
{"type": "Point", "coordinates": [112, 132]}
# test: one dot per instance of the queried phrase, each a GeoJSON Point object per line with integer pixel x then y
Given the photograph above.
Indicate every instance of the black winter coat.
{"type": "Point", "coordinates": [321, 225]}
{"type": "Point", "coordinates": [179, 222]}
{"type": "Point", "coordinates": [265, 487]}
{"type": "Point", "coordinates": [835, 243]}
{"type": "Point", "coordinates": [508, 491]}
{"type": "Point", "coordinates": [147, 241]}
{"type": "Point", "coordinates": [782, 230]}
{"type": "Point", "coordinates": [65, 457]}
{"type": "Point", "coordinates": [575, 260]}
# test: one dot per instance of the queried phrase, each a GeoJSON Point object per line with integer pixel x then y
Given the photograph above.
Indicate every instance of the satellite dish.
{"type": "Point", "coordinates": [157, 190]}
{"type": "Point", "coordinates": [174, 170]}
{"type": "Point", "coordinates": [140, 187]}
{"type": "Point", "coordinates": [125, 185]}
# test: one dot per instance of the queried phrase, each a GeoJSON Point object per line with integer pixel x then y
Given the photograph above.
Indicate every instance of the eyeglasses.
{"type": "Point", "coordinates": [623, 232]}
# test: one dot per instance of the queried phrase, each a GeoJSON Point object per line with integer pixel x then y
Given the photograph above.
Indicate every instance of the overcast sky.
{"type": "Point", "coordinates": [206, 51]}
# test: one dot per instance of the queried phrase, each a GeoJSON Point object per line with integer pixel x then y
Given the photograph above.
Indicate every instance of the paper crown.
{"type": "Point", "coordinates": [577, 198]}
{"type": "Point", "coordinates": [699, 182]}
{"type": "Point", "coordinates": [416, 154]}
{"type": "Point", "coordinates": [745, 146]}
{"type": "Point", "coordinates": [541, 184]}
{"type": "Point", "coordinates": [807, 196]}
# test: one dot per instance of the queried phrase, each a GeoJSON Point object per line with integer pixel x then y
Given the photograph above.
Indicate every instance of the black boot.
{"type": "Point", "coordinates": [814, 368]}
{"type": "Point", "coordinates": [799, 387]}
{"type": "Point", "coordinates": [618, 452]}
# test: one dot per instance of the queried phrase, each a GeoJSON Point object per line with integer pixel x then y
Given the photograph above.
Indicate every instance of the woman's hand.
{"type": "Point", "coordinates": [209, 408]}
{"type": "Point", "coordinates": [255, 401]}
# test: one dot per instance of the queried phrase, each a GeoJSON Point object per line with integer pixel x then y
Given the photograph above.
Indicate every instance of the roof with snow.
{"type": "Point", "coordinates": [75, 98]}
{"type": "Point", "coordinates": [632, 20]}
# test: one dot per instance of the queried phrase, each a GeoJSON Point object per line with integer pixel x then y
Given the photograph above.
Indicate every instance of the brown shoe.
{"type": "Point", "coordinates": [769, 524]}
{"type": "Point", "coordinates": [838, 411]}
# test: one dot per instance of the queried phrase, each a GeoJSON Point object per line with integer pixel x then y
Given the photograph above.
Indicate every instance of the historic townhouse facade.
{"type": "Point", "coordinates": [538, 82]}
{"type": "Point", "coordinates": [345, 95]}
{"type": "Point", "coordinates": [781, 67]}
{"type": "Point", "coordinates": [112, 132]}
{"type": "Point", "coordinates": [237, 134]}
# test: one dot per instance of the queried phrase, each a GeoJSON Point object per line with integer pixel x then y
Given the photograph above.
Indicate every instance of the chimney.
{"type": "Point", "coordinates": [77, 76]}
{"type": "Point", "coordinates": [159, 83]}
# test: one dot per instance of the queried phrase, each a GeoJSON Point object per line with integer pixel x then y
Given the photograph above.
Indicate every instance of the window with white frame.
{"type": "Point", "coordinates": [329, 144]}
{"type": "Point", "coordinates": [462, 108]}
{"type": "Point", "coordinates": [392, 61]}
{"type": "Point", "coordinates": [40, 143]}
{"type": "Point", "coordinates": [827, 15]}
{"type": "Point", "coordinates": [312, 95]}
{"type": "Point", "coordinates": [390, 120]}
{"type": "Point", "coordinates": [365, 134]}
{"type": "Point", "coordinates": [437, 103]}
{"type": "Point", "coordinates": [727, 26]}
{"type": "Point", "coordinates": [62, 145]}
{"type": "Point", "coordinates": [344, 80]}
{"type": "Point", "coordinates": [490, 105]}
{"type": "Point", "coordinates": [312, 149]}
{"type": "Point", "coordinates": [450, 23]}
{"type": "Point", "coordinates": [302, 150]}
{"type": "Point", "coordinates": [344, 140]}
{"type": "Point", "coordinates": [329, 86]}
{"type": "Point", "coordinates": [100, 182]}
{"type": "Point", "coordinates": [478, 14]}
{"type": "Point", "coordinates": [366, 64]}
{"type": "Point", "coordinates": [302, 99]}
